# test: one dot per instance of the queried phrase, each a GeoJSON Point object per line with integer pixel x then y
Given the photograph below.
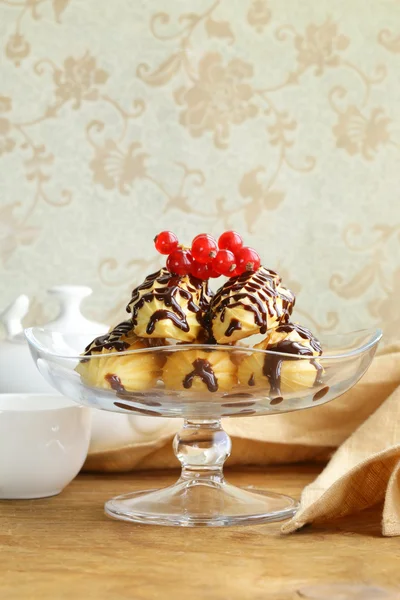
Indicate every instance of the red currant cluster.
{"type": "Point", "coordinates": [208, 258]}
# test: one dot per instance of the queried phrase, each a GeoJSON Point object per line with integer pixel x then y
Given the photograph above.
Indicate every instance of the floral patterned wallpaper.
{"type": "Point", "coordinates": [279, 119]}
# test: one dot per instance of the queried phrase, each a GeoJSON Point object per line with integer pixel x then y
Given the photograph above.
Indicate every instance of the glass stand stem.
{"type": "Point", "coordinates": [202, 447]}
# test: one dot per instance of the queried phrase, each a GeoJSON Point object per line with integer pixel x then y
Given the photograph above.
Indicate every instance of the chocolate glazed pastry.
{"type": "Point", "coordinates": [258, 288]}
{"type": "Point", "coordinates": [258, 293]}
{"type": "Point", "coordinates": [111, 340]}
{"type": "Point", "coordinates": [273, 362]}
{"type": "Point", "coordinates": [177, 296]}
{"type": "Point", "coordinates": [289, 362]}
{"type": "Point", "coordinates": [303, 333]}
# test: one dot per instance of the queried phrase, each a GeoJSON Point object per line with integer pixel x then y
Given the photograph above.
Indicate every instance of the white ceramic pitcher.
{"type": "Point", "coordinates": [18, 373]}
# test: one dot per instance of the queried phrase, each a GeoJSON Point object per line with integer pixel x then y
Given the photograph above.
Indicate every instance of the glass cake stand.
{"type": "Point", "coordinates": [202, 496]}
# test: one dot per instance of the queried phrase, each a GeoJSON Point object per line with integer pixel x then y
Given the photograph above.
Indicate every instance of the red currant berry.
{"type": "Point", "coordinates": [230, 240]}
{"type": "Point", "coordinates": [236, 272]}
{"type": "Point", "coordinates": [248, 259]}
{"type": "Point", "coordinates": [180, 262]}
{"type": "Point", "coordinates": [224, 263]}
{"type": "Point", "coordinates": [166, 242]}
{"type": "Point", "coordinates": [200, 270]}
{"type": "Point", "coordinates": [213, 272]}
{"type": "Point", "coordinates": [204, 248]}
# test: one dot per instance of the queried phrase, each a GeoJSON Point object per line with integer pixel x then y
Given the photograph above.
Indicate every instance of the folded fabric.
{"type": "Point", "coordinates": [364, 423]}
{"type": "Point", "coordinates": [364, 471]}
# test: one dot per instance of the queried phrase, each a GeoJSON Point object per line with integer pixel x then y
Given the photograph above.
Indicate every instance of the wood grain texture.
{"type": "Point", "coordinates": [65, 547]}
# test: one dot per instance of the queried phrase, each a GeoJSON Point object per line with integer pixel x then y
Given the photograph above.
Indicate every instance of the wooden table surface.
{"type": "Point", "coordinates": [65, 547]}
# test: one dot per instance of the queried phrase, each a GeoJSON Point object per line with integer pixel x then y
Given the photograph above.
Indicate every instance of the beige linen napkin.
{"type": "Point", "coordinates": [364, 471]}
{"type": "Point", "coordinates": [364, 423]}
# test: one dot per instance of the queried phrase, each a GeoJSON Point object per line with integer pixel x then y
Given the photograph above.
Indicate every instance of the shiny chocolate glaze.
{"type": "Point", "coordinates": [321, 393]}
{"type": "Point", "coordinates": [115, 382]}
{"type": "Point", "coordinates": [142, 411]}
{"type": "Point", "coordinates": [234, 325]}
{"type": "Point", "coordinates": [111, 340]}
{"type": "Point", "coordinates": [167, 288]}
{"type": "Point", "coordinates": [254, 292]}
{"type": "Point", "coordinates": [203, 369]}
{"type": "Point", "coordinates": [273, 362]}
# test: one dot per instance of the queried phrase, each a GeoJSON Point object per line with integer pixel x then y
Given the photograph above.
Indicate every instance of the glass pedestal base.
{"type": "Point", "coordinates": [202, 497]}
{"type": "Point", "coordinates": [201, 504]}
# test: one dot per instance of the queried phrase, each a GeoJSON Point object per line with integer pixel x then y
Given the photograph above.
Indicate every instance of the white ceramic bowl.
{"type": "Point", "coordinates": [44, 439]}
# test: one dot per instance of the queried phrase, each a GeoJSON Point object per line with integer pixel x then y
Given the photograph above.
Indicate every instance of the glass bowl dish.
{"type": "Point", "coordinates": [201, 496]}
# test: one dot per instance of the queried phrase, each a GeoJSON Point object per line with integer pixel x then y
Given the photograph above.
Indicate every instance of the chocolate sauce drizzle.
{"type": "Point", "coordinates": [303, 332]}
{"type": "Point", "coordinates": [277, 400]}
{"type": "Point", "coordinates": [111, 340]}
{"type": "Point", "coordinates": [273, 362]}
{"type": "Point", "coordinates": [142, 411]}
{"type": "Point", "coordinates": [167, 288]}
{"type": "Point", "coordinates": [238, 404]}
{"type": "Point", "coordinates": [255, 292]}
{"type": "Point", "coordinates": [321, 393]}
{"type": "Point", "coordinates": [234, 325]}
{"type": "Point", "coordinates": [115, 382]}
{"type": "Point", "coordinates": [203, 369]}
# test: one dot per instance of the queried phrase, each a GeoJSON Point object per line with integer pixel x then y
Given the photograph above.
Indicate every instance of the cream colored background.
{"type": "Point", "coordinates": [280, 119]}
